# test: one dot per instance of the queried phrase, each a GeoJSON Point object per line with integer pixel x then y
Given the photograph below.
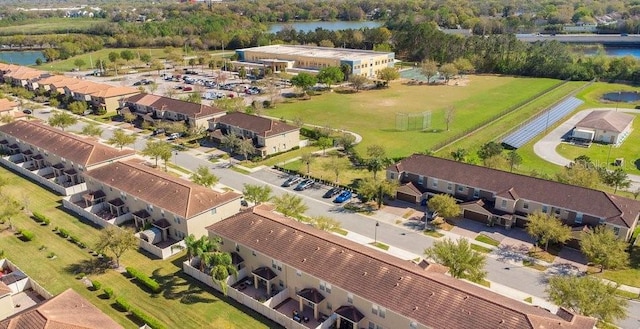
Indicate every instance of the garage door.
{"type": "Point", "coordinates": [521, 222]}
{"type": "Point", "coordinates": [406, 197]}
{"type": "Point", "coordinates": [475, 216]}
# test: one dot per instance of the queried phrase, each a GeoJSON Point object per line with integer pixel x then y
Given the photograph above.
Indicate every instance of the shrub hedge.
{"type": "Point", "coordinates": [148, 282]}
{"type": "Point", "coordinates": [96, 285]}
{"type": "Point", "coordinates": [108, 292]}
{"type": "Point", "coordinates": [138, 314]}
{"type": "Point", "coordinates": [40, 218]}
{"type": "Point", "coordinates": [26, 234]}
{"type": "Point", "coordinates": [123, 304]}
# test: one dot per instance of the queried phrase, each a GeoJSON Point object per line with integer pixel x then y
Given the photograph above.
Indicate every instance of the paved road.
{"type": "Point", "coordinates": [498, 270]}
{"type": "Point", "coordinates": [545, 148]}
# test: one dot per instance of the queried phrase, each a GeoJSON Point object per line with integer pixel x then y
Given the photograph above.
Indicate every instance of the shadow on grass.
{"type": "Point", "coordinates": [89, 266]}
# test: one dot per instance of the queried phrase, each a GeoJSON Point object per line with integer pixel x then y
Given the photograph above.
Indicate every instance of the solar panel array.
{"type": "Point", "coordinates": [541, 123]}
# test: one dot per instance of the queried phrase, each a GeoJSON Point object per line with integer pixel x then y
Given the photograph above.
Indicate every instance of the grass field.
{"type": "Point", "coordinates": [52, 25]}
{"type": "Point", "coordinates": [320, 168]}
{"type": "Point", "coordinates": [599, 153]}
{"type": "Point", "coordinates": [372, 114]}
{"type": "Point", "coordinates": [191, 305]}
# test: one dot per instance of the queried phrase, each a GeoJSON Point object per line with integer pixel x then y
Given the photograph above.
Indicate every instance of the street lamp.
{"type": "Point", "coordinates": [375, 233]}
{"type": "Point", "coordinates": [175, 155]}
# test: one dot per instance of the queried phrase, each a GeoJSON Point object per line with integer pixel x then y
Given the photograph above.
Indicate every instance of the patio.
{"type": "Point", "coordinates": [291, 307]}
{"type": "Point", "coordinates": [246, 287]}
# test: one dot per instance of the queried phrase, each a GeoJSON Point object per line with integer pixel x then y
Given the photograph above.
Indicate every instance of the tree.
{"type": "Point", "coordinates": [445, 205]}
{"type": "Point", "coordinates": [489, 149]}
{"type": "Point", "coordinates": [377, 159]}
{"type": "Point", "coordinates": [347, 141]}
{"type": "Point", "coordinates": [330, 75]}
{"type": "Point", "coordinates": [547, 228]}
{"type": "Point", "coordinates": [358, 81]}
{"type": "Point", "coordinates": [242, 73]}
{"type": "Point", "coordinates": [448, 70]}
{"type": "Point", "coordinates": [580, 174]}
{"type": "Point", "coordinates": [146, 58]}
{"type": "Point", "coordinates": [203, 176]}
{"type": "Point", "coordinates": [191, 244]}
{"type": "Point", "coordinates": [7, 118]}
{"type": "Point", "coordinates": [602, 247]}
{"type": "Point", "coordinates": [307, 158]}
{"type": "Point", "coordinates": [617, 178]}
{"type": "Point", "coordinates": [157, 65]}
{"type": "Point", "coordinates": [290, 205]}
{"type": "Point", "coordinates": [79, 63]}
{"type": "Point", "coordinates": [514, 159]}
{"type": "Point", "coordinates": [62, 120]}
{"type": "Point", "coordinates": [462, 261]}
{"type": "Point", "coordinates": [221, 268]}
{"type": "Point", "coordinates": [117, 241]}
{"type": "Point", "coordinates": [127, 55]}
{"type": "Point", "coordinates": [336, 165]}
{"type": "Point", "coordinates": [231, 141]}
{"type": "Point", "coordinates": [39, 61]}
{"type": "Point", "coordinates": [449, 113]}
{"type": "Point", "coordinates": [92, 130]}
{"type": "Point", "coordinates": [464, 65]}
{"type": "Point", "coordinates": [304, 81]}
{"type": "Point", "coordinates": [372, 189]}
{"type": "Point", "coordinates": [325, 223]}
{"type": "Point", "coordinates": [324, 143]}
{"type": "Point", "coordinates": [78, 107]}
{"type": "Point", "coordinates": [246, 147]}
{"type": "Point", "coordinates": [54, 102]}
{"type": "Point", "coordinates": [387, 74]}
{"type": "Point", "coordinates": [158, 150]}
{"type": "Point", "coordinates": [459, 154]}
{"type": "Point", "coordinates": [588, 296]}
{"type": "Point", "coordinates": [429, 68]}
{"type": "Point", "coordinates": [496, 162]}
{"type": "Point", "coordinates": [153, 86]}
{"type": "Point", "coordinates": [9, 208]}
{"type": "Point", "coordinates": [121, 139]}
{"type": "Point", "coordinates": [257, 193]}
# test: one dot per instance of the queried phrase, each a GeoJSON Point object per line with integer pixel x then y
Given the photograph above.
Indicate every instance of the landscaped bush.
{"type": "Point", "coordinates": [96, 285]}
{"type": "Point", "coordinates": [108, 292]}
{"type": "Point", "coordinates": [40, 218]}
{"type": "Point", "coordinates": [143, 317]}
{"type": "Point", "coordinates": [80, 275]}
{"type": "Point", "coordinates": [148, 282]}
{"type": "Point", "coordinates": [26, 235]}
{"type": "Point", "coordinates": [123, 304]}
{"type": "Point", "coordinates": [63, 233]}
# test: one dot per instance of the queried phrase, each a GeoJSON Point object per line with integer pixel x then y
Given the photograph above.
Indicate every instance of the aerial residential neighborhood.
{"type": "Point", "coordinates": [319, 164]}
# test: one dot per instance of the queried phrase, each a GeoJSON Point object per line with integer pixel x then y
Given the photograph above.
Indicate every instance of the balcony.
{"type": "Point", "coordinates": [46, 176]}
{"type": "Point", "coordinates": [91, 205]}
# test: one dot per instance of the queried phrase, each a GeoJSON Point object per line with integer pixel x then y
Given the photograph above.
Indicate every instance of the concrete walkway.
{"type": "Point", "coordinates": [545, 148]}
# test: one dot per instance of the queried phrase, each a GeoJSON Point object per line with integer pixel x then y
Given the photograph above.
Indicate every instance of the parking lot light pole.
{"type": "Point", "coordinates": [175, 156]}
{"type": "Point", "coordinates": [375, 233]}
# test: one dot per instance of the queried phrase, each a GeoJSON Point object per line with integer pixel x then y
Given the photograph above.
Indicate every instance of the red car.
{"type": "Point", "coordinates": [187, 88]}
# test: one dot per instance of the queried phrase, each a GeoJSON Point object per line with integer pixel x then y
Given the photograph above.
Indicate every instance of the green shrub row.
{"type": "Point", "coordinates": [109, 292]}
{"type": "Point", "coordinates": [40, 218]}
{"type": "Point", "coordinates": [96, 285]}
{"type": "Point", "coordinates": [138, 314]}
{"type": "Point", "coordinates": [67, 235]}
{"type": "Point", "coordinates": [26, 234]}
{"type": "Point", "coordinates": [148, 282]}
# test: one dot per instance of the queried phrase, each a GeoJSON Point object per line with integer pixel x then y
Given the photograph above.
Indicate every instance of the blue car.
{"type": "Point", "coordinates": [344, 196]}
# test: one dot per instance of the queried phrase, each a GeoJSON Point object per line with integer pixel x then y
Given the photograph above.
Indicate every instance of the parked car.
{"type": "Point", "coordinates": [343, 197]}
{"type": "Point", "coordinates": [26, 111]}
{"type": "Point", "coordinates": [332, 192]}
{"type": "Point", "coordinates": [173, 136]}
{"type": "Point", "coordinates": [305, 184]}
{"type": "Point", "coordinates": [187, 88]}
{"type": "Point", "coordinates": [158, 131]}
{"type": "Point", "coordinates": [291, 181]}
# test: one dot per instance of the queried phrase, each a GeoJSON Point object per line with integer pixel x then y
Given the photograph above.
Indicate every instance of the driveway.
{"type": "Point", "coordinates": [545, 148]}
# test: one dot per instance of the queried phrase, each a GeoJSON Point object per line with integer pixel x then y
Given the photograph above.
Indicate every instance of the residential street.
{"type": "Point", "coordinates": [498, 269]}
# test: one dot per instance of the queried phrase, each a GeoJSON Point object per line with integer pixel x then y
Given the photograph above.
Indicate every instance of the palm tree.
{"type": "Point", "coordinates": [191, 244]}
{"type": "Point", "coordinates": [221, 268]}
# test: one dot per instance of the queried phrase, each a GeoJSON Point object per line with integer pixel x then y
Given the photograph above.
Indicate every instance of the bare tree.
{"type": "Point", "coordinates": [449, 114]}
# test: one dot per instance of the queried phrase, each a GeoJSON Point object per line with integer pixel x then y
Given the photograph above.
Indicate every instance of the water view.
{"type": "Point", "coordinates": [27, 57]}
{"type": "Point", "coordinates": [331, 26]}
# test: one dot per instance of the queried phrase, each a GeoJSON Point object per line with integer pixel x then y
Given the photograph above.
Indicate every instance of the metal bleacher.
{"type": "Point", "coordinates": [541, 123]}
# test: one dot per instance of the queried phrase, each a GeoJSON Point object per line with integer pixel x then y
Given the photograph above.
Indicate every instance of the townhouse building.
{"type": "Point", "coordinates": [52, 157]}
{"type": "Point", "coordinates": [163, 209]}
{"type": "Point", "coordinates": [498, 197]}
{"type": "Point", "coordinates": [10, 108]}
{"type": "Point", "coordinates": [268, 136]}
{"type": "Point", "coordinates": [321, 279]}
{"type": "Point", "coordinates": [152, 108]}
{"type": "Point", "coordinates": [99, 96]}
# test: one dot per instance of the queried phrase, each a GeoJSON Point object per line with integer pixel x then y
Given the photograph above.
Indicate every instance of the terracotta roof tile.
{"type": "Point", "coordinates": [68, 310]}
{"type": "Point", "coordinates": [108, 91]}
{"type": "Point", "coordinates": [429, 297]}
{"type": "Point", "coordinates": [4, 289]}
{"type": "Point", "coordinates": [7, 105]}
{"type": "Point", "coordinates": [577, 198]}
{"type": "Point", "coordinates": [74, 148]}
{"type": "Point", "coordinates": [177, 195]}
{"type": "Point", "coordinates": [262, 126]}
{"type": "Point", "coordinates": [189, 109]}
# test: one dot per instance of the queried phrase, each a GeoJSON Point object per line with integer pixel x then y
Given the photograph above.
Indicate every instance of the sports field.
{"type": "Point", "coordinates": [372, 113]}
{"type": "Point", "coordinates": [52, 25]}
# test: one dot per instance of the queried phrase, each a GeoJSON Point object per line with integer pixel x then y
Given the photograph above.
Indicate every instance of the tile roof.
{"type": "Point", "coordinates": [25, 73]}
{"type": "Point", "coordinates": [108, 91]}
{"type": "Point", "coordinates": [615, 210]}
{"type": "Point", "coordinates": [162, 103]}
{"type": "Point", "coordinates": [68, 310]}
{"type": "Point", "coordinates": [71, 147]}
{"type": "Point", "coordinates": [427, 296]}
{"type": "Point", "coordinates": [156, 187]}
{"type": "Point", "coordinates": [7, 105]}
{"type": "Point", "coordinates": [4, 289]}
{"type": "Point", "coordinates": [606, 120]}
{"type": "Point", "coordinates": [262, 126]}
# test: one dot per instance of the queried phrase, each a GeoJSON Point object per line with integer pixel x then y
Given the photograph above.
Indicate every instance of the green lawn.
{"type": "Point", "coordinates": [599, 153]}
{"type": "Point", "coordinates": [629, 276]}
{"type": "Point", "coordinates": [372, 113]}
{"type": "Point", "coordinates": [54, 25]}
{"type": "Point", "coordinates": [191, 304]}
{"type": "Point", "coordinates": [320, 168]}
{"type": "Point", "coordinates": [380, 245]}
{"type": "Point", "coordinates": [480, 248]}
{"type": "Point", "coordinates": [485, 239]}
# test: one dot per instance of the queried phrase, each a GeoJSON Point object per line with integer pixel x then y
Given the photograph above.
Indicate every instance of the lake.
{"type": "Point", "coordinates": [26, 57]}
{"type": "Point", "coordinates": [331, 26]}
